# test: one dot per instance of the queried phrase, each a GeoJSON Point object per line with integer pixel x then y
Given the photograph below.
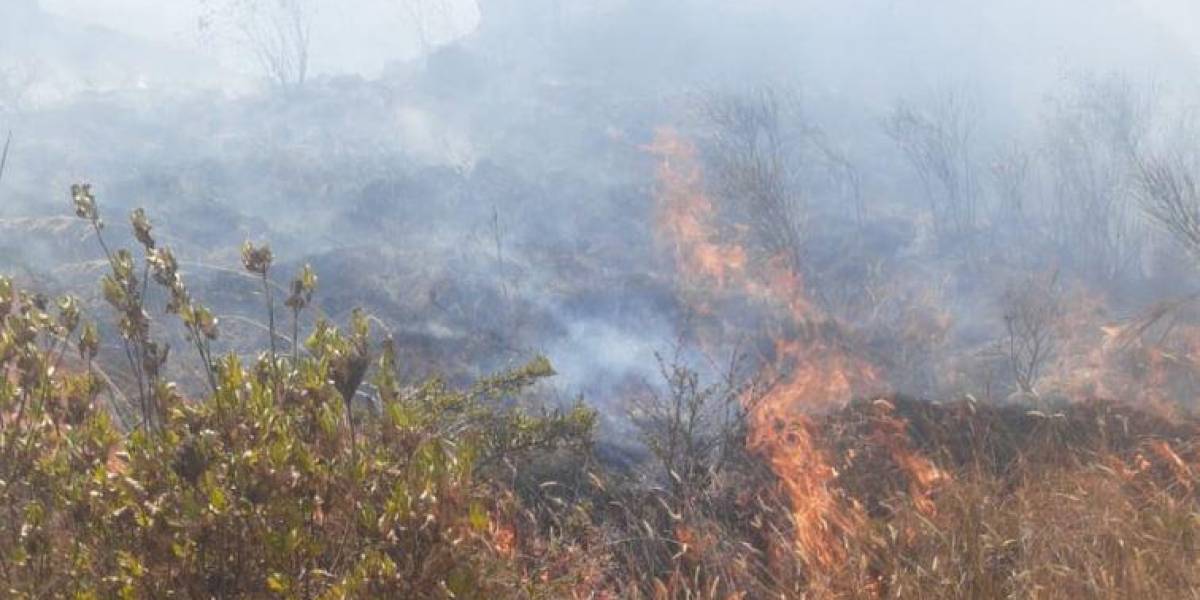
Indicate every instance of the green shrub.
{"type": "Point", "coordinates": [259, 489]}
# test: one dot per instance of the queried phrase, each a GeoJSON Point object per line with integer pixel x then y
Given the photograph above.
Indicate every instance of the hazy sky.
{"type": "Point", "coordinates": [1181, 17]}
{"type": "Point", "coordinates": [867, 48]}
{"type": "Point", "coordinates": [362, 35]}
{"type": "Point", "coordinates": [348, 36]}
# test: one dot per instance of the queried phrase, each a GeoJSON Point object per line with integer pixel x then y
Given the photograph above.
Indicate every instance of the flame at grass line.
{"type": "Point", "coordinates": [808, 373]}
{"type": "Point", "coordinates": [1152, 362]}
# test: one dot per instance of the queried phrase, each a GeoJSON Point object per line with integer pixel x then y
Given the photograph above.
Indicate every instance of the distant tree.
{"type": "Point", "coordinates": [756, 146]}
{"type": "Point", "coordinates": [845, 175]}
{"type": "Point", "coordinates": [1012, 176]}
{"type": "Point", "coordinates": [1093, 137]}
{"type": "Point", "coordinates": [937, 142]}
{"type": "Point", "coordinates": [1169, 196]}
{"type": "Point", "coordinates": [276, 33]}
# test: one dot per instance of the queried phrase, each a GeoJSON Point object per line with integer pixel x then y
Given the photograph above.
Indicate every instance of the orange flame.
{"type": "Point", "coordinates": [809, 369]}
{"type": "Point", "coordinates": [1156, 371]}
{"type": "Point", "coordinates": [890, 432]}
{"type": "Point", "coordinates": [686, 214]}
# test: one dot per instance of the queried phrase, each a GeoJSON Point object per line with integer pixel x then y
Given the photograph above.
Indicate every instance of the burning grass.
{"type": "Point", "coordinates": [1096, 500]}
{"type": "Point", "coordinates": [263, 489]}
{"type": "Point", "coordinates": [914, 499]}
{"type": "Point", "coordinates": [894, 497]}
{"type": "Point", "coordinates": [317, 471]}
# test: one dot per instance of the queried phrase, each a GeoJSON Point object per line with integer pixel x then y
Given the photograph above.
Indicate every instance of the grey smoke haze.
{"type": "Point", "coordinates": [478, 179]}
{"type": "Point", "coordinates": [351, 36]}
{"type": "Point", "coordinates": [867, 45]}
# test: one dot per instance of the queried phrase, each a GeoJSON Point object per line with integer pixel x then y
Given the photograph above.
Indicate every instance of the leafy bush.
{"type": "Point", "coordinates": [260, 489]}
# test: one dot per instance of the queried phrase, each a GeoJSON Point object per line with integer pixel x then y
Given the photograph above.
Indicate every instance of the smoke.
{"type": "Point", "coordinates": [477, 175]}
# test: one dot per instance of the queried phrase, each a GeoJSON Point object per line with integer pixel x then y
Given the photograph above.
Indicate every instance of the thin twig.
{"type": "Point", "coordinates": [4, 154]}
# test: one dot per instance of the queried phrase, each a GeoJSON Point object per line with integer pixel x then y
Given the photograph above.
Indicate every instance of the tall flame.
{"type": "Point", "coordinates": [686, 214]}
{"type": "Point", "coordinates": [809, 369]}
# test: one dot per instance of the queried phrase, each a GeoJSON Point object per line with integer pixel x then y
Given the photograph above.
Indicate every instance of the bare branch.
{"type": "Point", "coordinates": [937, 143]}
{"type": "Point", "coordinates": [1169, 197]}
{"type": "Point", "coordinates": [276, 33]}
{"type": "Point", "coordinates": [1032, 313]}
{"type": "Point", "coordinates": [1094, 139]}
{"type": "Point", "coordinates": [4, 154]}
{"type": "Point", "coordinates": [755, 170]}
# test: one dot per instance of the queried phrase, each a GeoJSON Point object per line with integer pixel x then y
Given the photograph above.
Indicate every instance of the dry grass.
{"type": "Point", "coordinates": [955, 501]}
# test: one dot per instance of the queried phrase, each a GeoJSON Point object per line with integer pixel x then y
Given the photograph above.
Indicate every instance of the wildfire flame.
{"type": "Point", "coordinates": [1155, 370]}
{"type": "Point", "coordinates": [807, 372]}
{"type": "Point", "coordinates": [686, 214]}
{"type": "Point", "coordinates": [890, 432]}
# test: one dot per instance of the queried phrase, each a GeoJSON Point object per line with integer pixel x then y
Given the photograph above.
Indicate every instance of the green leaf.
{"type": "Point", "coordinates": [478, 517]}
{"type": "Point", "coordinates": [277, 583]}
{"type": "Point", "coordinates": [216, 500]}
